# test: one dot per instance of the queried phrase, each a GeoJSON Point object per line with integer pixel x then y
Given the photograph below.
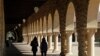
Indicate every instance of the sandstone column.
{"type": "Point", "coordinates": [45, 37]}
{"type": "Point", "coordinates": [55, 43]}
{"type": "Point", "coordinates": [91, 41]}
{"type": "Point", "coordinates": [2, 27]}
{"type": "Point", "coordinates": [50, 42]}
{"type": "Point", "coordinates": [81, 26]}
{"type": "Point", "coordinates": [25, 38]}
{"type": "Point", "coordinates": [69, 39]}
{"type": "Point", "coordinates": [62, 15]}
{"type": "Point", "coordinates": [39, 39]}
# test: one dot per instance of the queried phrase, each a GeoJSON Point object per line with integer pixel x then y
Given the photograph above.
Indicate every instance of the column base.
{"type": "Point", "coordinates": [70, 53]}
{"type": "Point", "coordinates": [50, 50]}
{"type": "Point", "coordinates": [55, 51]}
{"type": "Point", "coordinates": [63, 54]}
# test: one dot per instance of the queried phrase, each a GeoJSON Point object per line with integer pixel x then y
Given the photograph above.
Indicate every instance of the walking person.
{"type": "Point", "coordinates": [34, 44]}
{"type": "Point", "coordinates": [43, 47]}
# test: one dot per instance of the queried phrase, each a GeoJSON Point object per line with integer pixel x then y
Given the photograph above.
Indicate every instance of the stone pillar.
{"type": "Point", "coordinates": [55, 43]}
{"type": "Point", "coordinates": [69, 39]}
{"type": "Point", "coordinates": [50, 42]}
{"type": "Point", "coordinates": [82, 43]}
{"type": "Point", "coordinates": [30, 33]}
{"type": "Point", "coordinates": [2, 31]}
{"type": "Point", "coordinates": [45, 36]}
{"type": "Point", "coordinates": [39, 42]}
{"type": "Point", "coordinates": [81, 10]}
{"type": "Point", "coordinates": [31, 37]}
{"type": "Point", "coordinates": [91, 41]}
{"type": "Point", "coordinates": [39, 39]}
{"type": "Point", "coordinates": [25, 38]}
{"type": "Point", "coordinates": [64, 45]}
{"type": "Point", "coordinates": [62, 18]}
{"type": "Point", "coordinates": [24, 33]}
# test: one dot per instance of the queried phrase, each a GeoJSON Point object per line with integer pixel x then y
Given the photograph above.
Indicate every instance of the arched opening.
{"type": "Point", "coordinates": [24, 33]}
{"type": "Point", "coordinates": [92, 23]}
{"type": "Point", "coordinates": [97, 34]}
{"type": "Point", "coordinates": [56, 30]}
{"type": "Point", "coordinates": [70, 30]}
{"type": "Point", "coordinates": [41, 28]}
{"type": "Point", "coordinates": [73, 37]}
{"type": "Point", "coordinates": [35, 28]}
{"type": "Point", "coordinates": [49, 31]}
{"type": "Point", "coordinates": [37, 25]}
{"type": "Point", "coordinates": [49, 23]}
{"type": "Point", "coordinates": [40, 31]}
{"type": "Point", "coordinates": [32, 30]}
{"type": "Point", "coordinates": [44, 25]}
{"type": "Point", "coordinates": [29, 32]}
{"type": "Point", "coordinates": [56, 22]}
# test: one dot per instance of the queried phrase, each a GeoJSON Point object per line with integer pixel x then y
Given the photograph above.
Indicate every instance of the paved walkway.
{"type": "Point", "coordinates": [12, 51]}
{"type": "Point", "coordinates": [22, 49]}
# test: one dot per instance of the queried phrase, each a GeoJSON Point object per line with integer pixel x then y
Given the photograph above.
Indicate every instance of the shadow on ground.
{"type": "Point", "coordinates": [12, 51]}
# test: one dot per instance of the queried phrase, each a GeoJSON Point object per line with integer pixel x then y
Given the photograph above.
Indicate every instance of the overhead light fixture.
{"type": "Point", "coordinates": [19, 25]}
{"type": "Point", "coordinates": [36, 9]}
{"type": "Point", "coordinates": [24, 20]}
{"type": "Point", "coordinates": [16, 27]}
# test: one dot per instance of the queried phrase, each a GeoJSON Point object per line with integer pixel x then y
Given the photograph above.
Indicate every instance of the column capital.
{"type": "Point", "coordinates": [49, 34]}
{"type": "Point", "coordinates": [55, 33]}
{"type": "Point", "coordinates": [40, 34]}
{"type": "Point", "coordinates": [91, 30]}
{"type": "Point", "coordinates": [69, 32]}
{"type": "Point", "coordinates": [44, 34]}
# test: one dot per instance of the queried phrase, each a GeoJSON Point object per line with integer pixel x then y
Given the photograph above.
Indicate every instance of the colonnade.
{"type": "Point", "coordinates": [64, 17]}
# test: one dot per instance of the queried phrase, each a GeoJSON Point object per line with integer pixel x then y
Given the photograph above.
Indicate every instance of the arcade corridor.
{"type": "Point", "coordinates": [70, 27]}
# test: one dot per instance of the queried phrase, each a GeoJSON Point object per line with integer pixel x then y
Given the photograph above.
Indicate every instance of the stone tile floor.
{"type": "Point", "coordinates": [22, 49]}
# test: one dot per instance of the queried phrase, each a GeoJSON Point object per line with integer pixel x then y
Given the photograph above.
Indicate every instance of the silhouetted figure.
{"type": "Point", "coordinates": [34, 44]}
{"type": "Point", "coordinates": [43, 47]}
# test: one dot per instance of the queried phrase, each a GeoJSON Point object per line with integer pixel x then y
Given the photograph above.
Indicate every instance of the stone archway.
{"type": "Point", "coordinates": [56, 28]}
{"type": "Point", "coordinates": [40, 25]}
{"type": "Point", "coordinates": [49, 31]}
{"type": "Point", "coordinates": [92, 25]}
{"type": "Point", "coordinates": [44, 25]}
{"type": "Point", "coordinates": [70, 26]}
{"type": "Point", "coordinates": [49, 23]}
{"type": "Point", "coordinates": [92, 14]}
{"type": "Point", "coordinates": [56, 22]}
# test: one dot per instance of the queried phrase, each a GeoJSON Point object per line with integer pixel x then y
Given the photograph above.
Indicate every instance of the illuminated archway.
{"type": "Point", "coordinates": [56, 22]}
